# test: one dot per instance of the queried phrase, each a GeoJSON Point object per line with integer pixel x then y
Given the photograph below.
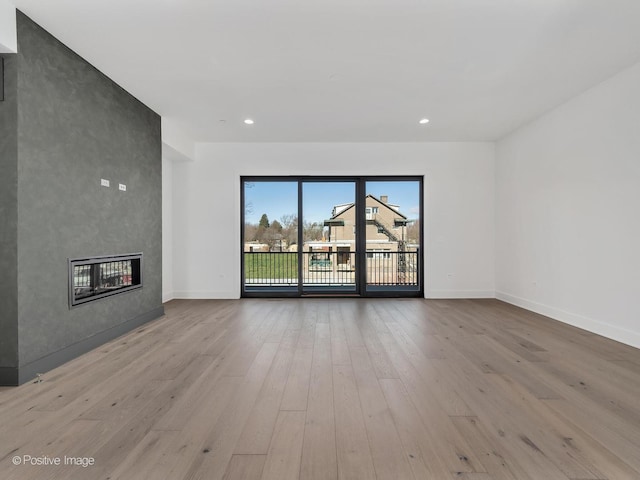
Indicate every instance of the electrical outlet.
{"type": "Point", "coordinates": [122, 187]}
{"type": "Point", "coordinates": [104, 182]}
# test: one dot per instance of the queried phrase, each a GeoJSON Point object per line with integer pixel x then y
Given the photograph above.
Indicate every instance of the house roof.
{"type": "Point", "coordinates": [385, 205]}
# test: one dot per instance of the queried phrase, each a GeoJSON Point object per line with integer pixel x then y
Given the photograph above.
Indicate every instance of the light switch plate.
{"type": "Point", "coordinates": [104, 182]}
{"type": "Point", "coordinates": [122, 187]}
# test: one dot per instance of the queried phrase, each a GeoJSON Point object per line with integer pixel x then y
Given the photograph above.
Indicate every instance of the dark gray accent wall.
{"type": "Point", "coordinates": [76, 126]}
{"type": "Point", "coordinates": [9, 223]}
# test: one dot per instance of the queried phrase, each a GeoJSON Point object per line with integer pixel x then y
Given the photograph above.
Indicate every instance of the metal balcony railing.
{"type": "Point", "coordinates": [270, 268]}
{"type": "Point", "coordinates": [274, 269]}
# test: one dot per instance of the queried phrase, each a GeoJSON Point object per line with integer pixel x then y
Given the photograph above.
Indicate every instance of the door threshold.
{"type": "Point", "coordinates": [330, 295]}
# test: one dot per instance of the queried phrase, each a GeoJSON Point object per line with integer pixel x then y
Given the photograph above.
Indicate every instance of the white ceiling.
{"type": "Point", "coordinates": [349, 70]}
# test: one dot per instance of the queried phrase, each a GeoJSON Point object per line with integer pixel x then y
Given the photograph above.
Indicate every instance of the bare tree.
{"type": "Point", "coordinates": [248, 206]}
{"type": "Point", "coordinates": [276, 226]}
{"type": "Point", "coordinates": [289, 228]}
{"type": "Point", "coordinates": [250, 231]}
{"type": "Point", "coordinates": [413, 231]}
{"type": "Point", "coordinates": [312, 231]}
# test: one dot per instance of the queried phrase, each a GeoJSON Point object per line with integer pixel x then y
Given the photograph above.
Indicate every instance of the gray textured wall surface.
{"type": "Point", "coordinates": [76, 126]}
{"type": "Point", "coordinates": [9, 217]}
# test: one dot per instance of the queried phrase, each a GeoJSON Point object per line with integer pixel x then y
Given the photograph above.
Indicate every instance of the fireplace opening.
{"type": "Point", "coordinates": [98, 277]}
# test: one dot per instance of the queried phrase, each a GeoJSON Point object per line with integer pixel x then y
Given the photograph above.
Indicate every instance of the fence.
{"type": "Point", "coordinates": [275, 269]}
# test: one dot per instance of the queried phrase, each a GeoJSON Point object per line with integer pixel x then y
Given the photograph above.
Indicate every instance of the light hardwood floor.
{"type": "Point", "coordinates": [335, 389]}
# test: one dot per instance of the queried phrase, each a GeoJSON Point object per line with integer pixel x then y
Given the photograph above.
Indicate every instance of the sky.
{"type": "Point", "coordinates": [318, 198]}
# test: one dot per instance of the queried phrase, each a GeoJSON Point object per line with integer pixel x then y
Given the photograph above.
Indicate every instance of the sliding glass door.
{"type": "Point", "coordinates": [393, 235]}
{"type": "Point", "coordinates": [270, 236]}
{"type": "Point", "coordinates": [330, 235]}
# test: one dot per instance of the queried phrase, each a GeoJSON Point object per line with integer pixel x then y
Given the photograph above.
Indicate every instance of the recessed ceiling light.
{"type": "Point", "coordinates": [423, 121]}
{"type": "Point", "coordinates": [248, 121]}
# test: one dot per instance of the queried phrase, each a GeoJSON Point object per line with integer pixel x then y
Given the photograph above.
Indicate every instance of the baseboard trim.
{"type": "Point", "coordinates": [206, 295]}
{"type": "Point", "coordinates": [28, 372]}
{"type": "Point", "coordinates": [450, 294]}
{"type": "Point", "coordinates": [433, 294]}
{"type": "Point", "coordinates": [628, 337]}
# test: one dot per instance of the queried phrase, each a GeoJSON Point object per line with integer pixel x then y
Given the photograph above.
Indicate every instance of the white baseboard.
{"type": "Point", "coordinates": [445, 294]}
{"type": "Point", "coordinates": [618, 334]}
{"type": "Point", "coordinates": [435, 294]}
{"type": "Point", "coordinates": [168, 296]}
{"type": "Point", "coordinates": [205, 295]}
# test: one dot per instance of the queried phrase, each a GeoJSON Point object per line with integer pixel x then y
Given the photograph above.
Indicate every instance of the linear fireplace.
{"type": "Point", "coordinates": [98, 277]}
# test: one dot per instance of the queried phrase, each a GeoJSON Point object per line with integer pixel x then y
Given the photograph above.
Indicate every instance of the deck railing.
{"type": "Point", "coordinates": [273, 269]}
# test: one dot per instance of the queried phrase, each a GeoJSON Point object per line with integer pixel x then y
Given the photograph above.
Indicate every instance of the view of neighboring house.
{"type": "Point", "coordinates": [279, 245]}
{"type": "Point", "coordinates": [255, 246]}
{"type": "Point", "coordinates": [389, 253]}
{"type": "Point", "coordinates": [330, 258]}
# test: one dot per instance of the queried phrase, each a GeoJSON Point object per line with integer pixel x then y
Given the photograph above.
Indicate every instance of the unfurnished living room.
{"type": "Point", "coordinates": [246, 239]}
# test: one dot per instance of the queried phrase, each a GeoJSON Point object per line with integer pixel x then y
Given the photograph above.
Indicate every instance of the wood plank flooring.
{"type": "Point", "coordinates": [327, 389]}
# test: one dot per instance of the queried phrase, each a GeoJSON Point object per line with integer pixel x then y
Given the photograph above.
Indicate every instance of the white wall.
{"type": "Point", "coordinates": [176, 144]}
{"type": "Point", "coordinates": [167, 229]}
{"type": "Point", "coordinates": [568, 211]}
{"type": "Point", "coordinates": [8, 35]}
{"type": "Point", "coordinates": [459, 196]}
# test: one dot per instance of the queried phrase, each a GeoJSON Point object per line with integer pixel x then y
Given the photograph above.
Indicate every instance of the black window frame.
{"type": "Point", "coordinates": [360, 196]}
